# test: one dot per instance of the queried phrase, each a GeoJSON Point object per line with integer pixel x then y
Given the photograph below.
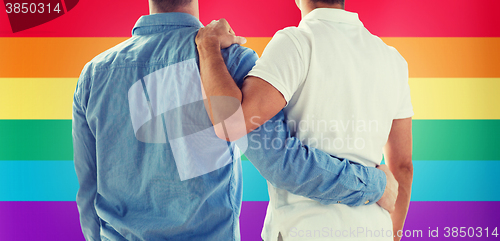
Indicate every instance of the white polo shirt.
{"type": "Point", "coordinates": [343, 87]}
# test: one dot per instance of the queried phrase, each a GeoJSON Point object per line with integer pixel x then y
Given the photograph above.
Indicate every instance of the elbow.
{"type": "Point", "coordinates": [405, 168]}
{"type": "Point", "coordinates": [221, 136]}
{"type": "Point", "coordinates": [228, 120]}
{"type": "Point", "coordinates": [406, 165]}
{"type": "Point", "coordinates": [219, 132]}
{"type": "Point", "coordinates": [230, 131]}
{"type": "Point", "coordinates": [401, 162]}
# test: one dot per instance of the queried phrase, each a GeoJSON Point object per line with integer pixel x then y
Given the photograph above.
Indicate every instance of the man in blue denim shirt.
{"type": "Point", "coordinates": [149, 164]}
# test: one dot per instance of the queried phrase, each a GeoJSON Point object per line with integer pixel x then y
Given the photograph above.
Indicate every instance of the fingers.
{"type": "Point", "coordinates": [389, 197]}
{"type": "Point", "coordinates": [219, 32]}
{"type": "Point", "coordinates": [225, 23]}
{"type": "Point", "coordinates": [220, 24]}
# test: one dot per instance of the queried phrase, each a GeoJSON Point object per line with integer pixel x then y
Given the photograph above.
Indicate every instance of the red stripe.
{"type": "Point", "coordinates": [262, 18]}
{"type": "Point", "coordinates": [115, 18]}
{"type": "Point", "coordinates": [429, 18]}
{"type": "Point", "coordinates": [257, 18]}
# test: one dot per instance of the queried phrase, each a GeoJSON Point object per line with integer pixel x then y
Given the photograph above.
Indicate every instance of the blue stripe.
{"type": "Point", "coordinates": [433, 181]}
{"type": "Point", "coordinates": [38, 181]}
{"type": "Point", "coordinates": [455, 181]}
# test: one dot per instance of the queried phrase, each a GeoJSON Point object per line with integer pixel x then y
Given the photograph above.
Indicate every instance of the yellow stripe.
{"type": "Point", "coordinates": [36, 98]}
{"type": "Point", "coordinates": [432, 98]}
{"type": "Point", "coordinates": [455, 98]}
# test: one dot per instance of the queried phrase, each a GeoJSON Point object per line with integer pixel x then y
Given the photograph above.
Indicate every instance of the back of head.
{"type": "Point", "coordinates": [170, 5]}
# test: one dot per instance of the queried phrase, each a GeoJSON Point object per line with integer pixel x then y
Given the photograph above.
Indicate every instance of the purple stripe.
{"type": "Point", "coordinates": [251, 220]}
{"type": "Point", "coordinates": [23, 221]}
{"type": "Point", "coordinates": [427, 216]}
{"type": "Point", "coordinates": [422, 216]}
{"type": "Point", "coordinates": [59, 220]}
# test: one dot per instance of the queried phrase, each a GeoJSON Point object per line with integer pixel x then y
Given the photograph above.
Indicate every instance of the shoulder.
{"type": "Point", "coordinates": [296, 32]}
{"type": "Point", "coordinates": [390, 50]}
{"type": "Point", "coordinates": [298, 35]}
{"type": "Point", "coordinates": [298, 38]}
{"type": "Point", "coordinates": [398, 59]}
{"type": "Point", "coordinates": [398, 63]}
{"type": "Point", "coordinates": [104, 59]}
{"type": "Point", "coordinates": [98, 64]}
{"type": "Point", "coordinates": [397, 56]}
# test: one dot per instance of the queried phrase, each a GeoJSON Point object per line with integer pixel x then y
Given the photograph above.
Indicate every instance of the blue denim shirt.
{"type": "Point", "coordinates": [149, 164]}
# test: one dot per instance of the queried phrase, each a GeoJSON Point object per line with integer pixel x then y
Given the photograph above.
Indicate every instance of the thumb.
{"type": "Point", "coordinates": [239, 40]}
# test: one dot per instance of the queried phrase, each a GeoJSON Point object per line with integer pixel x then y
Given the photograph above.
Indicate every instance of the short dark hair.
{"type": "Point", "coordinates": [341, 2]}
{"type": "Point", "coordinates": [170, 5]}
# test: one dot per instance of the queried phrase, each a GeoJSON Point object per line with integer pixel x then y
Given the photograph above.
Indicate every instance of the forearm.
{"type": "Point", "coordinates": [404, 176]}
{"type": "Point", "coordinates": [398, 156]}
{"type": "Point", "coordinates": [217, 82]}
{"type": "Point", "coordinates": [308, 171]}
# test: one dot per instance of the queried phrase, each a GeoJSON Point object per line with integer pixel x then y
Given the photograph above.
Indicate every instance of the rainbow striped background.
{"type": "Point", "coordinates": [452, 48]}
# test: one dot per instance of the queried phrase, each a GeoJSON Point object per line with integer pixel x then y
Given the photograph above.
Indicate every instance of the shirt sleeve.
{"type": "Point", "coordinates": [288, 164]}
{"type": "Point", "coordinates": [281, 64]}
{"type": "Point", "coordinates": [239, 61]}
{"type": "Point", "coordinates": [84, 147]}
{"type": "Point", "coordinates": [406, 108]}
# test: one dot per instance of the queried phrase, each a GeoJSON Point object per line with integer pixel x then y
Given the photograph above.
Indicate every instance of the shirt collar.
{"type": "Point", "coordinates": [172, 19]}
{"type": "Point", "coordinates": [335, 15]}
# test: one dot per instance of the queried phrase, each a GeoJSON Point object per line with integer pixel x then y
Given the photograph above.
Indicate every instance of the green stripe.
{"type": "Point", "coordinates": [36, 140]}
{"type": "Point", "coordinates": [456, 140]}
{"type": "Point", "coordinates": [433, 140]}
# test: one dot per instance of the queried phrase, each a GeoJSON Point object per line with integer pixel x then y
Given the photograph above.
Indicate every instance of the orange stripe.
{"type": "Point", "coordinates": [257, 44]}
{"type": "Point", "coordinates": [49, 57]}
{"type": "Point", "coordinates": [438, 57]}
{"type": "Point", "coordinates": [427, 57]}
{"type": "Point", "coordinates": [450, 57]}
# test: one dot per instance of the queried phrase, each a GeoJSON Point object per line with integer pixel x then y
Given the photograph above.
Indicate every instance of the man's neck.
{"type": "Point", "coordinates": [191, 8]}
{"type": "Point", "coordinates": [309, 6]}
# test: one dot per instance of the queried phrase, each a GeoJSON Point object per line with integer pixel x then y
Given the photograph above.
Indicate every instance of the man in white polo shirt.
{"type": "Point", "coordinates": [343, 91]}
